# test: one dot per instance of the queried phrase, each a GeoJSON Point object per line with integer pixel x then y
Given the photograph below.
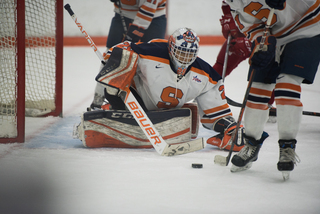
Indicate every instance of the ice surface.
{"type": "Point", "coordinates": [53, 173]}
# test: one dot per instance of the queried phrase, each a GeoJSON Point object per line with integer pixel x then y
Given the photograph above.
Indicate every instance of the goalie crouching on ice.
{"type": "Point", "coordinates": [164, 76]}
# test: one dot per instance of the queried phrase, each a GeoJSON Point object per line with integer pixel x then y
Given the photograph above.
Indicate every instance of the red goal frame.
{"type": "Point", "coordinates": [20, 44]}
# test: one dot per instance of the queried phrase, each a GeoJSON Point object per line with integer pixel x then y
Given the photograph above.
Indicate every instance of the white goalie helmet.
{"type": "Point", "coordinates": [183, 47]}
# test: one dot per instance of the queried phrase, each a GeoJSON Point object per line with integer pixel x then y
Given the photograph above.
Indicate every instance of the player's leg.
{"type": "Point", "coordinates": [156, 30]}
{"type": "Point", "coordinates": [299, 63]}
{"type": "Point", "coordinates": [116, 30]}
{"type": "Point", "coordinates": [119, 129]}
{"type": "Point", "coordinates": [255, 116]}
{"type": "Point", "coordinates": [98, 97]}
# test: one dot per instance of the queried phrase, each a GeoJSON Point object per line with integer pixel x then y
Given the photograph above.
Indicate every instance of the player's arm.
{"type": "Point", "coordinates": [240, 46]}
{"type": "Point", "coordinates": [217, 116]}
{"type": "Point", "coordinates": [240, 49]}
{"type": "Point", "coordinates": [142, 21]}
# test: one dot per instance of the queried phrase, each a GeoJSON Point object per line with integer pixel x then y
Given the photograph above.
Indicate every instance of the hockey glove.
{"type": "Point", "coordinates": [229, 26]}
{"type": "Point", "coordinates": [226, 126]}
{"type": "Point", "coordinates": [276, 4]}
{"type": "Point", "coordinates": [233, 60]}
{"type": "Point", "coordinates": [134, 33]}
{"type": "Point", "coordinates": [241, 46]}
{"type": "Point", "coordinates": [260, 59]}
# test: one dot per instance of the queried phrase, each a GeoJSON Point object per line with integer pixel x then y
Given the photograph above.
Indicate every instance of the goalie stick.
{"type": "Point", "coordinates": [141, 117]}
{"type": "Point", "coordinates": [84, 32]}
{"type": "Point", "coordinates": [225, 63]}
{"type": "Point", "coordinates": [123, 21]}
{"type": "Point", "coordinates": [224, 161]}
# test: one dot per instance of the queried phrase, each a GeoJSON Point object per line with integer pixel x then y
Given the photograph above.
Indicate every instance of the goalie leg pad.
{"type": "Point", "coordinates": [118, 71]}
{"type": "Point", "coordinates": [195, 118]}
{"type": "Point", "coordinates": [118, 129]}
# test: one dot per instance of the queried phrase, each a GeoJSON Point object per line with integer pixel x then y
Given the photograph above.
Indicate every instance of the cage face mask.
{"type": "Point", "coordinates": [183, 49]}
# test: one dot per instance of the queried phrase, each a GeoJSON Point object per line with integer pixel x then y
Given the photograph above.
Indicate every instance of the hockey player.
{"type": "Point", "coordinates": [240, 46]}
{"type": "Point", "coordinates": [289, 58]}
{"type": "Point", "coordinates": [144, 20]}
{"type": "Point", "coordinates": [134, 21]}
{"type": "Point", "coordinates": [167, 75]}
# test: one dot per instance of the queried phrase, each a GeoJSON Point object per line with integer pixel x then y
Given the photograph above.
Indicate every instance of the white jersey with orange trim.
{"type": "Point", "coordinates": [142, 11]}
{"type": "Point", "coordinates": [299, 19]}
{"type": "Point", "coordinates": [156, 82]}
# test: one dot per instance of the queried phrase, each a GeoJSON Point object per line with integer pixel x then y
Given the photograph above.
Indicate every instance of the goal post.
{"type": "Point", "coordinates": [31, 63]}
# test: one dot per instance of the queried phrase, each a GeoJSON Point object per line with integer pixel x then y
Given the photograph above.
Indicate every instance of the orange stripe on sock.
{"type": "Point", "coordinates": [281, 101]}
{"type": "Point", "coordinates": [259, 91]}
{"type": "Point", "coordinates": [257, 106]}
{"type": "Point", "coordinates": [288, 86]}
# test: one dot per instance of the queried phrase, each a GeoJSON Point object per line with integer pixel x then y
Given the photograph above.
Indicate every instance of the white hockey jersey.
{"type": "Point", "coordinates": [299, 19]}
{"type": "Point", "coordinates": [141, 11]}
{"type": "Point", "coordinates": [156, 82]}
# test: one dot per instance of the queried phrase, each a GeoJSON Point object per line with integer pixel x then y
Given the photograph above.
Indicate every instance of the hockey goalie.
{"type": "Point", "coordinates": [175, 87]}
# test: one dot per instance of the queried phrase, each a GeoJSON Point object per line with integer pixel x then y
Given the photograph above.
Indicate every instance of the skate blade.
{"type": "Point", "coordinates": [235, 168]}
{"type": "Point", "coordinates": [285, 175]}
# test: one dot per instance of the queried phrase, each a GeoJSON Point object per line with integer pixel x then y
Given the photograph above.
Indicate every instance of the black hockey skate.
{"type": "Point", "coordinates": [248, 154]}
{"type": "Point", "coordinates": [287, 157]}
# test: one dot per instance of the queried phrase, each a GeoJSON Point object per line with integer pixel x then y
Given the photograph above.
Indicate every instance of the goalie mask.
{"type": "Point", "coordinates": [183, 47]}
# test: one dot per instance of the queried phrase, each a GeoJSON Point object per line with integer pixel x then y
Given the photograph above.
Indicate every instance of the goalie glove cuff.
{"type": "Point", "coordinates": [223, 124]}
{"type": "Point", "coordinates": [226, 126]}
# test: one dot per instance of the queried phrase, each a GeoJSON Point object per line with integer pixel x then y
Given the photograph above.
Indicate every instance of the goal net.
{"type": "Point", "coordinates": [31, 45]}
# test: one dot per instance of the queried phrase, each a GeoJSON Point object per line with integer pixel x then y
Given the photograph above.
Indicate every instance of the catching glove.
{"type": "Point", "coordinates": [239, 50]}
{"type": "Point", "coordinates": [276, 4]}
{"type": "Point", "coordinates": [226, 126]}
{"type": "Point", "coordinates": [260, 59]}
{"type": "Point", "coordinates": [134, 33]}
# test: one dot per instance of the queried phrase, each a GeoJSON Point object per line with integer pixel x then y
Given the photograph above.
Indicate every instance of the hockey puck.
{"type": "Point", "coordinates": [197, 165]}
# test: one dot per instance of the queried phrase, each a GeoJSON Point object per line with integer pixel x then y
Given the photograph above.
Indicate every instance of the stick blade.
{"type": "Point", "coordinates": [183, 148]}
{"type": "Point", "coordinates": [221, 160]}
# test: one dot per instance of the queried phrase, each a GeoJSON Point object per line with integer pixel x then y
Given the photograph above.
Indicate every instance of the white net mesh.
{"type": "Point", "coordinates": [40, 54]}
{"type": "Point", "coordinates": [40, 65]}
{"type": "Point", "coordinates": [8, 64]}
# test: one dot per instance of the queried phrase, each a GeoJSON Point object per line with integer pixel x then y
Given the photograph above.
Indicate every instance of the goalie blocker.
{"type": "Point", "coordinates": [118, 128]}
